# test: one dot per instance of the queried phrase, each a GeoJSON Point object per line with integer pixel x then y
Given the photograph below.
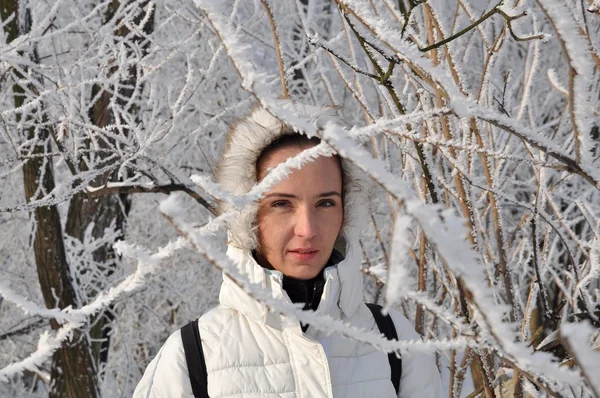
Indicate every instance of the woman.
{"type": "Point", "coordinates": [286, 244]}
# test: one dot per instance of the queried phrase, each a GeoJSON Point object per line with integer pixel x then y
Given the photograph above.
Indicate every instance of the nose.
{"type": "Point", "coordinates": [305, 223]}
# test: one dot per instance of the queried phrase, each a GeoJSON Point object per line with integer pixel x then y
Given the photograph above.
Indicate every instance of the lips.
{"type": "Point", "coordinates": [304, 254]}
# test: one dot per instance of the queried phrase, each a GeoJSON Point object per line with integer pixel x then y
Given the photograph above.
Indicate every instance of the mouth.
{"type": "Point", "coordinates": [304, 254]}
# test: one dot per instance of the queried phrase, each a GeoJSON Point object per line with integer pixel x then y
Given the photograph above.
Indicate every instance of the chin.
{"type": "Point", "coordinates": [306, 271]}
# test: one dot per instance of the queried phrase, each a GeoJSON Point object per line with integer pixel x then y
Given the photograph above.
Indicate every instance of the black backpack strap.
{"type": "Point", "coordinates": [387, 328]}
{"type": "Point", "coordinates": [194, 356]}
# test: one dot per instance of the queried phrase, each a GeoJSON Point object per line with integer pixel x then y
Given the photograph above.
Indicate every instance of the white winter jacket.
{"type": "Point", "coordinates": [253, 352]}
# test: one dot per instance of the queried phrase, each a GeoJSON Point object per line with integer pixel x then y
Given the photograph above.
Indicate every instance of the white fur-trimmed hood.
{"type": "Point", "coordinates": [236, 173]}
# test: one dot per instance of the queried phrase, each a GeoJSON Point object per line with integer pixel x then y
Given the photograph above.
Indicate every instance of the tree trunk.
{"type": "Point", "coordinates": [72, 371]}
{"type": "Point", "coordinates": [110, 210]}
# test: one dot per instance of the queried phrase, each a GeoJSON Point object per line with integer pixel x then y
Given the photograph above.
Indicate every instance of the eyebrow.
{"type": "Point", "coordinates": [288, 195]}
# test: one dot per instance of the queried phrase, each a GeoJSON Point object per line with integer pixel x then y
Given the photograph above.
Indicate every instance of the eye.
{"type": "Point", "coordinates": [326, 203]}
{"type": "Point", "coordinates": [280, 203]}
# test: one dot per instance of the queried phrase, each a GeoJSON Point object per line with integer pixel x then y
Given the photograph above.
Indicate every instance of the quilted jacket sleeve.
{"type": "Point", "coordinates": [420, 375]}
{"type": "Point", "coordinates": [167, 374]}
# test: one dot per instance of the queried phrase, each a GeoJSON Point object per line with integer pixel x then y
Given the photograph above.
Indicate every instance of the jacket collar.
{"type": "Point", "coordinates": [342, 292]}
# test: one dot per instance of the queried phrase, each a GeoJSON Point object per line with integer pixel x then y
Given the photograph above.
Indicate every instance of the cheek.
{"type": "Point", "coordinates": [272, 232]}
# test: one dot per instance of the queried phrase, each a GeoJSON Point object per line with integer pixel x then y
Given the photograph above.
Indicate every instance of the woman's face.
{"type": "Point", "coordinates": [300, 218]}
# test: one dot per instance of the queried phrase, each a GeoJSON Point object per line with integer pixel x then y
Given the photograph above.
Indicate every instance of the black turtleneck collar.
{"type": "Point", "coordinates": [309, 291]}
